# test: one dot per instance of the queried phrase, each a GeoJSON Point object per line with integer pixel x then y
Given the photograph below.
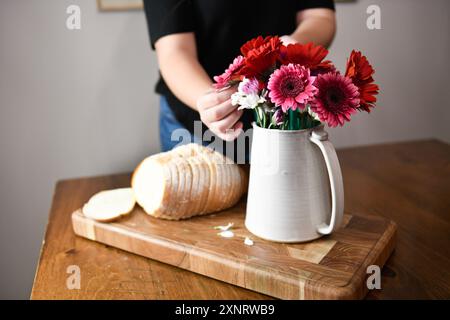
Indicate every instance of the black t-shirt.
{"type": "Point", "coordinates": [221, 27]}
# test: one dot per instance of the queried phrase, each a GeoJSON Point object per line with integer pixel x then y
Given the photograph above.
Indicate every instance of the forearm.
{"type": "Point", "coordinates": [184, 75]}
{"type": "Point", "coordinates": [315, 25]}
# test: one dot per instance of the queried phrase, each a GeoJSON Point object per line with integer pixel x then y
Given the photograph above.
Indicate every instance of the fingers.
{"type": "Point", "coordinates": [230, 127]}
{"type": "Point", "coordinates": [233, 133]}
{"type": "Point", "coordinates": [214, 98]}
{"type": "Point", "coordinates": [225, 94]}
{"type": "Point", "coordinates": [286, 40]}
{"type": "Point", "coordinates": [218, 112]}
{"type": "Point", "coordinates": [228, 122]}
{"type": "Point", "coordinates": [218, 90]}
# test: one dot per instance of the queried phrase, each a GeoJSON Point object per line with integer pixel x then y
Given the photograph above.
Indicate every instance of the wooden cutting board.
{"type": "Point", "coordinates": [333, 267]}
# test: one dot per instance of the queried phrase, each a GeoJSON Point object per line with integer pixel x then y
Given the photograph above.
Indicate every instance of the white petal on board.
{"type": "Point", "coordinates": [225, 228]}
{"type": "Point", "coordinates": [226, 234]}
{"type": "Point", "coordinates": [248, 241]}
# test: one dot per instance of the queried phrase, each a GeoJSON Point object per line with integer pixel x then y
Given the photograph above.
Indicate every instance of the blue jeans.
{"type": "Point", "coordinates": [167, 124]}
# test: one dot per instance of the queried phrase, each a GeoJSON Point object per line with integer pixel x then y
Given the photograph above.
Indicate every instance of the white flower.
{"type": "Point", "coordinates": [249, 101]}
{"type": "Point", "coordinates": [247, 96]}
{"type": "Point", "coordinates": [249, 86]}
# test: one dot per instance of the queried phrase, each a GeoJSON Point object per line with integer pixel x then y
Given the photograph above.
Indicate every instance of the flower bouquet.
{"type": "Point", "coordinates": [296, 190]}
{"type": "Point", "coordinates": [293, 87]}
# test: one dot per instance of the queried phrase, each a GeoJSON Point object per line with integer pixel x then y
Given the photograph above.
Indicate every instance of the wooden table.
{"type": "Point", "coordinates": [407, 182]}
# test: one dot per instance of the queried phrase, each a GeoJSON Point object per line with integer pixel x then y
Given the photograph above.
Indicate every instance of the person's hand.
{"type": "Point", "coordinates": [219, 115]}
{"type": "Point", "coordinates": [286, 39]}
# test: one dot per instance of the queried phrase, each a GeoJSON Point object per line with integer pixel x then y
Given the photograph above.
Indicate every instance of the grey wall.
{"type": "Point", "coordinates": [410, 54]}
{"type": "Point", "coordinates": [72, 103]}
{"type": "Point", "coordinates": [79, 103]}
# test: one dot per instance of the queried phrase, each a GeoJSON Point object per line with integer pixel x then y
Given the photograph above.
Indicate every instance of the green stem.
{"type": "Point", "coordinates": [293, 119]}
{"type": "Point", "coordinates": [258, 121]}
{"type": "Point", "coordinates": [300, 121]}
{"type": "Point", "coordinates": [263, 114]}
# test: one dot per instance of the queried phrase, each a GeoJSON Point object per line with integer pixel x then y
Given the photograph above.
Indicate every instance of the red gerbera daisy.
{"type": "Point", "coordinates": [308, 55]}
{"type": "Point", "coordinates": [260, 56]}
{"type": "Point", "coordinates": [361, 72]}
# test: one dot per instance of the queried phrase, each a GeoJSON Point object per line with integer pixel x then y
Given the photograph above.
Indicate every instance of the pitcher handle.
{"type": "Point", "coordinates": [320, 138]}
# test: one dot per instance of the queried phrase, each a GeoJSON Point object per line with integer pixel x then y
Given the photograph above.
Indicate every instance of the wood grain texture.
{"type": "Point", "coordinates": [406, 182]}
{"type": "Point", "coordinates": [287, 271]}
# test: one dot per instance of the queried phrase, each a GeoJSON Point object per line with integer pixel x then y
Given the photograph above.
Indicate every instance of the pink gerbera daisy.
{"type": "Point", "coordinates": [230, 74]}
{"type": "Point", "coordinates": [291, 87]}
{"type": "Point", "coordinates": [337, 99]}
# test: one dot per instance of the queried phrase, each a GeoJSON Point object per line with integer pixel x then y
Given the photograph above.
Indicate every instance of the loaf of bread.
{"type": "Point", "coordinates": [187, 181]}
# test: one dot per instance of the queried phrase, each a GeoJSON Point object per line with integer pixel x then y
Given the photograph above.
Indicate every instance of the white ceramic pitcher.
{"type": "Point", "coordinates": [295, 191]}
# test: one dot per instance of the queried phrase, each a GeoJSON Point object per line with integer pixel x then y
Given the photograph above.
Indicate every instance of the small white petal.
{"type": "Point", "coordinates": [226, 234]}
{"type": "Point", "coordinates": [225, 228]}
{"type": "Point", "coordinates": [248, 241]}
{"type": "Point", "coordinates": [235, 97]}
{"type": "Point", "coordinates": [250, 101]}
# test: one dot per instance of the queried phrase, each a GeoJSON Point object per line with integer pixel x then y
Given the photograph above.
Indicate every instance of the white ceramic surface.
{"type": "Point", "coordinates": [295, 191]}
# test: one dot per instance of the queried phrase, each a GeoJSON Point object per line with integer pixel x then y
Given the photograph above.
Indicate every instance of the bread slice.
{"type": "Point", "coordinates": [184, 192]}
{"type": "Point", "coordinates": [223, 187]}
{"type": "Point", "coordinates": [235, 192]}
{"type": "Point", "coordinates": [204, 184]}
{"type": "Point", "coordinates": [196, 192]}
{"type": "Point", "coordinates": [153, 183]}
{"type": "Point", "coordinates": [110, 205]}
{"type": "Point", "coordinates": [212, 202]}
{"type": "Point", "coordinates": [189, 191]}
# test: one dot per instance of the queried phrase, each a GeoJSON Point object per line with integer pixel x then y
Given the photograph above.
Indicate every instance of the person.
{"type": "Point", "coordinates": [197, 39]}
